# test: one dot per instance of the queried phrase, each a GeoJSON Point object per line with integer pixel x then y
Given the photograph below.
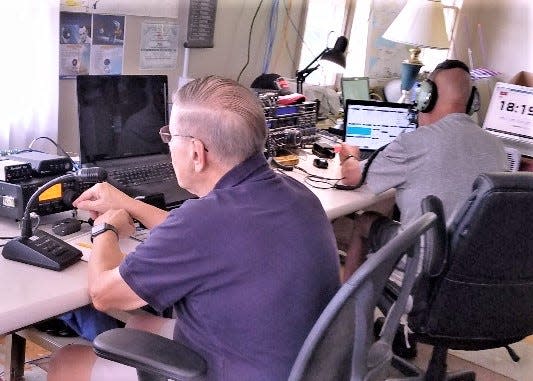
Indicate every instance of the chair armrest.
{"type": "Point", "coordinates": [149, 353]}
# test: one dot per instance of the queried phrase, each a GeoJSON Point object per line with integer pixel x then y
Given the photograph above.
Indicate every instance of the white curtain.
{"type": "Point", "coordinates": [29, 70]}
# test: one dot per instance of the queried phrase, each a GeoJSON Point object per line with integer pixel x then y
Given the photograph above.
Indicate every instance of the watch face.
{"type": "Point", "coordinates": [97, 229]}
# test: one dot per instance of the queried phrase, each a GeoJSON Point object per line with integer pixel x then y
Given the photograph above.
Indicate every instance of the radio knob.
{"type": "Point", "coordinates": [69, 195]}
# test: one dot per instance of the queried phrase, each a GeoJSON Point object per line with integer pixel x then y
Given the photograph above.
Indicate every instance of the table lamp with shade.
{"type": "Point", "coordinates": [336, 56]}
{"type": "Point", "coordinates": [421, 24]}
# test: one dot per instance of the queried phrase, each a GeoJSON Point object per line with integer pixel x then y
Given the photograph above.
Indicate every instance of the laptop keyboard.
{"type": "Point", "coordinates": [143, 174]}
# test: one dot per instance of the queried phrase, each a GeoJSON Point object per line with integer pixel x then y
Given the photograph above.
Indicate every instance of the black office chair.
{"type": "Point", "coordinates": [475, 291]}
{"type": "Point", "coordinates": [339, 347]}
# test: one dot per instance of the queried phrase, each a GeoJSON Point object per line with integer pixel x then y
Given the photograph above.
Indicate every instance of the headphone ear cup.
{"type": "Point", "coordinates": [474, 103]}
{"type": "Point", "coordinates": [426, 96]}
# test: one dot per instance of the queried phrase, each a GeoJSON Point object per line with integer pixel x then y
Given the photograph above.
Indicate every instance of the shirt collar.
{"type": "Point", "coordinates": [255, 166]}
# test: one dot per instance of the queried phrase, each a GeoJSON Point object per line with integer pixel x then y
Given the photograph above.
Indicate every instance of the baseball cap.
{"type": "Point", "coordinates": [272, 81]}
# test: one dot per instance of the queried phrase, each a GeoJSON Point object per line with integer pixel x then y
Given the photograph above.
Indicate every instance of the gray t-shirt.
{"type": "Point", "coordinates": [440, 159]}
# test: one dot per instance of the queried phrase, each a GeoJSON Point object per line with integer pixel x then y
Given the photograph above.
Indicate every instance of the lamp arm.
{"type": "Point", "coordinates": [301, 75]}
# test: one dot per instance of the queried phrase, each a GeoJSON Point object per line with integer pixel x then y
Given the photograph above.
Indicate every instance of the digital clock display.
{"type": "Point", "coordinates": [513, 107]}
{"type": "Point", "coordinates": [510, 112]}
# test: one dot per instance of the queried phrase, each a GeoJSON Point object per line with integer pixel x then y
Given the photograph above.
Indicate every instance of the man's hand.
{"type": "Point", "coordinates": [120, 219]}
{"type": "Point", "coordinates": [346, 152]}
{"type": "Point", "coordinates": [100, 198]}
{"type": "Point", "coordinates": [350, 169]}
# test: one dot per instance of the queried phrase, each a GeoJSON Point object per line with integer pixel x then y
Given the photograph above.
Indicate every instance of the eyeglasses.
{"type": "Point", "coordinates": [166, 136]}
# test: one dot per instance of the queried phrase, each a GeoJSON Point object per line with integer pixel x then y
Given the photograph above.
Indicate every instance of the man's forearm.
{"type": "Point", "coordinates": [148, 215]}
{"type": "Point", "coordinates": [105, 255]}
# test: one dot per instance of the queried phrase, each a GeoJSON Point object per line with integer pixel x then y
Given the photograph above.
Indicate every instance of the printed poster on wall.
{"type": "Point", "coordinates": [90, 44]}
{"type": "Point", "coordinates": [159, 45]}
{"type": "Point", "coordinates": [74, 44]}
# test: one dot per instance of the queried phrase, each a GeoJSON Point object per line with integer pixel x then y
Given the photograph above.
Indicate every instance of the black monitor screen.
{"type": "Point", "coordinates": [120, 115]}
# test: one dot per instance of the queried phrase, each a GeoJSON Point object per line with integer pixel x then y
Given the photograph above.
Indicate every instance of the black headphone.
{"type": "Point", "coordinates": [427, 93]}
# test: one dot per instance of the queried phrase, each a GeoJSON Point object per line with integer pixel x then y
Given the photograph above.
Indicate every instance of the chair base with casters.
{"type": "Point", "coordinates": [339, 347]}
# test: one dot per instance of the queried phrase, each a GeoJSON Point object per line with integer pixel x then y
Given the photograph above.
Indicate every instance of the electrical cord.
{"type": "Point", "coordinates": [250, 40]}
{"type": "Point", "coordinates": [57, 146]}
{"type": "Point", "coordinates": [317, 181]}
{"type": "Point", "coordinates": [272, 26]}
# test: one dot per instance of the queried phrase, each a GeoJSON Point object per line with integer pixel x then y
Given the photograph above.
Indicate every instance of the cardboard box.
{"type": "Point", "coordinates": [522, 78]}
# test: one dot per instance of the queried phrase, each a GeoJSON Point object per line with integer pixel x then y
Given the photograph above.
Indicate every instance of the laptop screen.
{"type": "Point", "coordinates": [373, 124]}
{"type": "Point", "coordinates": [510, 116]}
{"type": "Point", "coordinates": [120, 115]}
{"type": "Point", "coordinates": [355, 88]}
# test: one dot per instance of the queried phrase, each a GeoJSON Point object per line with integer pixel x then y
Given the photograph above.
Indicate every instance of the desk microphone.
{"type": "Point", "coordinates": [40, 248]}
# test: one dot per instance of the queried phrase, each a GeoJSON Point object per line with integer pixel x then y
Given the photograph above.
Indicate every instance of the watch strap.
{"type": "Point", "coordinates": [102, 228]}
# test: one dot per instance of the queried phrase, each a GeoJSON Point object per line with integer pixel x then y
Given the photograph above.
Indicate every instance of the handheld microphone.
{"type": "Point", "coordinates": [40, 248]}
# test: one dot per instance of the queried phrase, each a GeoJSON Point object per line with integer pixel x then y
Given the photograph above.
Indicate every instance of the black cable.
{"type": "Point", "coordinates": [250, 40]}
{"type": "Point", "coordinates": [57, 146]}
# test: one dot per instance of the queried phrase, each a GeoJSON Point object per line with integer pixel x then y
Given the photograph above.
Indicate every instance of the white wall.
{"type": "Point", "coordinates": [506, 28]}
{"type": "Point", "coordinates": [500, 34]}
{"type": "Point", "coordinates": [226, 58]}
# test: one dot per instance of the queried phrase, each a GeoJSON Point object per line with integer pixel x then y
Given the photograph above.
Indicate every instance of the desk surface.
{"type": "Point", "coordinates": [30, 294]}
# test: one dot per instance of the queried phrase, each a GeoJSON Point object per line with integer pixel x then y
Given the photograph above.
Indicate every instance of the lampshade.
{"type": "Point", "coordinates": [337, 54]}
{"type": "Point", "coordinates": [335, 57]}
{"type": "Point", "coordinates": [420, 23]}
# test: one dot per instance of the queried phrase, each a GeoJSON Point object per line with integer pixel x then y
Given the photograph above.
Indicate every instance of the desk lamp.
{"type": "Point", "coordinates": [335, 55]}
{"type": "Point", "coordinates": [420, 24]}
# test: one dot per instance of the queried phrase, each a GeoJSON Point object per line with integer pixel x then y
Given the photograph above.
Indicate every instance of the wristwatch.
{"type": "Point", "coordinates": [102, 228]}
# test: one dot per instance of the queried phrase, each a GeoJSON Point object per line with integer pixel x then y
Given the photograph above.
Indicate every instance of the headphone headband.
{"type": "Point", "coordinates": [427, 93]}
{"type": "Point", "coordinates": [452, 64]}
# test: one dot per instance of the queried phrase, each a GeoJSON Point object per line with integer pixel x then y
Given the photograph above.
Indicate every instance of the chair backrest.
{"type": "Point", "coordinates": [482, 294]}
{"type": "Point", "coordinates": [341, 344]}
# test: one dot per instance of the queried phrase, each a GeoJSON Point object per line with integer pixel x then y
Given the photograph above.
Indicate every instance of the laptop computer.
{"type": "Point", "coordinates": [119, 121]}
{"type": "Point", "coordinates": [371, 125]}
{"type": "Point", "coordinates": [355, 88]}
{"type": "Point", "coordinates": [509, 116]}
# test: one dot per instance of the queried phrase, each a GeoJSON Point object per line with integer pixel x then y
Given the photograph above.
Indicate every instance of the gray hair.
{"type": "Point", "coordinates": [226, 116]}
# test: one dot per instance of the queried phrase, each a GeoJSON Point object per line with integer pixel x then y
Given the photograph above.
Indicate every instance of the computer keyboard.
{"type": "Point", "coordinates": [143, 174]}
{"type": "Point", "coordinates": [325, 134]}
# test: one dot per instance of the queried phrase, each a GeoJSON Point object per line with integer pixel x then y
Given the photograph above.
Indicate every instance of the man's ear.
{"type": "Point", "coordinates": [199, 155]}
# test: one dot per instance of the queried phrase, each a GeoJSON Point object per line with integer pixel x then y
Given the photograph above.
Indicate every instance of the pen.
{"type": "Point", "coordinates": [86, 245]}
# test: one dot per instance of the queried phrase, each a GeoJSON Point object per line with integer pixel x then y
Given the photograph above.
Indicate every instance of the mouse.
{"type": "Point", "coordinates": [66, 226]}
{"type": "Point", "coordinates": [320, 163]}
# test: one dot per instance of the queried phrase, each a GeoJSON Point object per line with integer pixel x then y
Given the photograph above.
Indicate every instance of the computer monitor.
{"type": "Point", "coordinates": [510, 116]}
{"type": "Point", "coordinates": [355, 88]}
{"type": "Point", "coordinates": [120, 115]}
{"type": "Point", "coordinates": [371, 125]}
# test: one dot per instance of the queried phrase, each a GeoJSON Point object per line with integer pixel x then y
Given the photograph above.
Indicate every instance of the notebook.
{"type": "Point", "coordinates": [371, 125]}
{"type": "Point", "coordinates": [119, 121]}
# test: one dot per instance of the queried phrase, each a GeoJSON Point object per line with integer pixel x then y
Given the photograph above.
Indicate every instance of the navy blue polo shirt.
{"type": "Point", "coordinates": [248, 268]}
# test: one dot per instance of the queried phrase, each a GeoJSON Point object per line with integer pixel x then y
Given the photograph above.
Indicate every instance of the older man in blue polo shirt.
{"type": "Point", "coordinates": [248, 266]}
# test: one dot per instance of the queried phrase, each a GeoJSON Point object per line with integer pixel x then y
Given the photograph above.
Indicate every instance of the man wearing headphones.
{"type": "Point", "coordinates": [441, 158]}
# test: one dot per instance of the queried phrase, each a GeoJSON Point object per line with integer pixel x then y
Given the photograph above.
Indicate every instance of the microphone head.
{"type": "Point", "coordinates": [92, 175]}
